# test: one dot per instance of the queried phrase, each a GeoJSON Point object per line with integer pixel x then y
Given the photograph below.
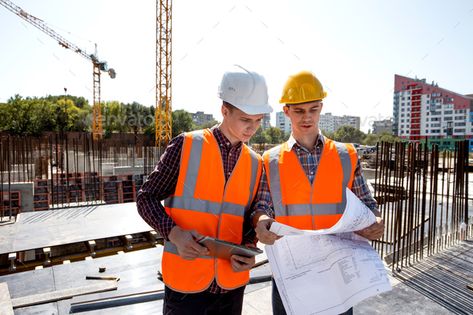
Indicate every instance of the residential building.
{"type": "Point", "coordinates": [330, 123]}
{"type": "Point", "coordinates": [426, 112]}
{"type": "Point", "coordinates": [201, 118]}
{"type": "Point", "coordinates": [383, 126]}
{"type": "Point", "coordinates": [283, 122]}
{"type": "Point", "coordinates": [266, 123]}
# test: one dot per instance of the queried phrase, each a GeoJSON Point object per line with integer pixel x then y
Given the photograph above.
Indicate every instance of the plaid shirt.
{"type": "Point", "coordinates": [161, 183]}
{"type": "Point", "coordinates": [310, 160]}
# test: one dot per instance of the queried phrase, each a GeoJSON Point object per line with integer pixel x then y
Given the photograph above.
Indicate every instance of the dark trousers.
{"type": "Point", "coordinates": [278, 306]}
{"type": "Point", "coordinates": [203, 303]}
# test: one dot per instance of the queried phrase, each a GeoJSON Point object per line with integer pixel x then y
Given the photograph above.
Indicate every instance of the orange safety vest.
{"type": "Point", "coordinates": [299, 203]}
{"type": "Point", "coordinates": [204, 202]}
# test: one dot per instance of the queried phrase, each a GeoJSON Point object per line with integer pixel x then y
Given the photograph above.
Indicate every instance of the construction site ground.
{"type": "Point", "coordinates": [440, 284]}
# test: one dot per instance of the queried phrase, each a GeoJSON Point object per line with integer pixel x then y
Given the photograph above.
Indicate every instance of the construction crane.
{"type": "Point", "coordinates": [98, 66]}
{"type": "Point", "coordinates": [163, 113]}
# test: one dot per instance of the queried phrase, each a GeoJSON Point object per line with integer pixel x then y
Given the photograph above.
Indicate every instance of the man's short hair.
{"type": "Point", "coordinates": [230, 107]}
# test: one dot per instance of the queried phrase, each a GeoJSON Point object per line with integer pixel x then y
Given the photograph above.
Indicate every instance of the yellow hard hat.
{"type": "Point", "coordinates": [302, 87]}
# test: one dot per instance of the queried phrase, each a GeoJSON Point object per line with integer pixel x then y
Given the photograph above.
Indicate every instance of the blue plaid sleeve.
{"type": "Point", "coordinates": [361, 190]}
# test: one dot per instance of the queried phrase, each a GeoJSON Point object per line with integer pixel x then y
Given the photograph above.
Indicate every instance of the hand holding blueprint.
{"type": "Point", "coordinates": [317, 273]}
{"type": "Point", "coordinates": [325, 274]}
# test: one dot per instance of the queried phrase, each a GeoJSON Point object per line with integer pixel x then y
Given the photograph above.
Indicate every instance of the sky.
{"type": "Point", "coordinates": [354, 47]}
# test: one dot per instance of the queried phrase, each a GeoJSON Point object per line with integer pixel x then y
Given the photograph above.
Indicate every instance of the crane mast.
{"type": "Point", "coordinates": [163, 113]}
{"type": "Point", "coordinates": [98, 66]}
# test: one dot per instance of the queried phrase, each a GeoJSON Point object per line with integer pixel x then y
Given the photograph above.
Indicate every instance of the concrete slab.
{"type": "Point", "coordinates": [6, 307]}
{"type": "Point", "coordinates": [137, 272]}
{"type": "Point", "coordinates": [257, 299]}
{"type": "Point", "coordinates": [70, 225]}
{"type": "Point", "coordinates": [437, 285]}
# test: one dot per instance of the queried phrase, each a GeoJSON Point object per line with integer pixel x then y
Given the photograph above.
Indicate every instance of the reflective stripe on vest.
{"type": "Point", "coordinates": [171, 248]}
{"type": "Point", "coordinates": [313, 208]}
{"type": "Point", "coordinates": [187, 200]}
{"type": "Point", "coordinates": [211, 206]}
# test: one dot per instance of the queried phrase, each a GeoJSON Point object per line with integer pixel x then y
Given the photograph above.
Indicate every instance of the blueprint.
{"type": "Point", "coordinates": [327, 271]}
{"type": "Point", "coordinates": [356, 217]}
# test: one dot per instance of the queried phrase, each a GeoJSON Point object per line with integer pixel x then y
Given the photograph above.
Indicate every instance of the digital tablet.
{"type": "Point", "coordinates": [224, 249]}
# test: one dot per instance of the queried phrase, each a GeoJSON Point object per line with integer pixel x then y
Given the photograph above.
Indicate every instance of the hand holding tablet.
{"type": "Point", "coordinates": [223, 249]}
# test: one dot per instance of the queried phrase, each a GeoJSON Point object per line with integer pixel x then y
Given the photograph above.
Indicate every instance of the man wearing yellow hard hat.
{"type": "Point", "coordinates": [208, 179]}
{"type": "Point", "coordinates": [304, 179]}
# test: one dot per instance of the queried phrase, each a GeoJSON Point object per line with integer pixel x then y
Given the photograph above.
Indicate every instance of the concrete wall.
{"type": "Point", "coordinates": [128, 170]}
{"type": "Point", "coordinates": [26, 191]}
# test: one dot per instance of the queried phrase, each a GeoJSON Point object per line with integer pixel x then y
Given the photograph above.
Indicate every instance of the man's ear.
{"type": "Point", "coordinates": [224, 110]}
{"type": "Point", "coordinates": [285, 109]}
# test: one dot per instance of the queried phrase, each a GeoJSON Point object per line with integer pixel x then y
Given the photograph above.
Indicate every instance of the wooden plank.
{"type": "Point", "coordinates": [101, 286]}
{"type": "Point", "coordinates": [6, 307]}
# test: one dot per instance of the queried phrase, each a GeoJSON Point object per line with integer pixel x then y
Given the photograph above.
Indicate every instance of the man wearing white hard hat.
{"type": "Point", "coordinates": [208, 179]}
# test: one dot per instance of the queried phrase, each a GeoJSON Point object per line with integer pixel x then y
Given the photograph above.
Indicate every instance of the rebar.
{"type": "Point", "coordinates": [423, 197]}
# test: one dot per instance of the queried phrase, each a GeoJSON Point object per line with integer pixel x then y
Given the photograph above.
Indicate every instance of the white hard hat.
{"type": "Point", "coordinates": [245, 90]}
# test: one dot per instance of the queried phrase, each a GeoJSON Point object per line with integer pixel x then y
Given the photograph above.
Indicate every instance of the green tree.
{"type": "Point", "coordinates": [72, 113]}
{"type": "Point", "coordinates": [30, 116]}
{"type": "Point", "coordinates": [348, 134]}
{"type": "Point", "coordinates": [78, 101]}
{"type": "Point", "coordinates": [139, 117]}
{"type": "Point", "coordinates": [61, 114]}
{"type": "Point", "coordinates": [69, 117]}
{"type": "Point", "coordinates": [275, 135]}
{"type": "Point", "coordinates": [181, 122]}
{"type": "Point", "coordinates": [15, 115]}
{"type": "Point", "coordinates": [371, 139]}
{"type": "Point", "coordinates": [286, 136]}
{"type": "Point", "coordinates": [260, 137]}
{"type": "Point", "coordinates": [329, 134]}
{"type": "Point", "coordinates": [207, 124]}
{"type": "Point", "coordinates": [81, 119]}
{"type": "Point", "coordinates": [387, 137]}
{"type": "Point", "coordinates": [114, 118]}
{"type": "Point", "coordinates": [149, 126]}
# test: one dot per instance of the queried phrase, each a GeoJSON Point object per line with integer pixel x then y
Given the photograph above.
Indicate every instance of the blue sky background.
{"type": "Point", "coordinates": [354, 47]}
